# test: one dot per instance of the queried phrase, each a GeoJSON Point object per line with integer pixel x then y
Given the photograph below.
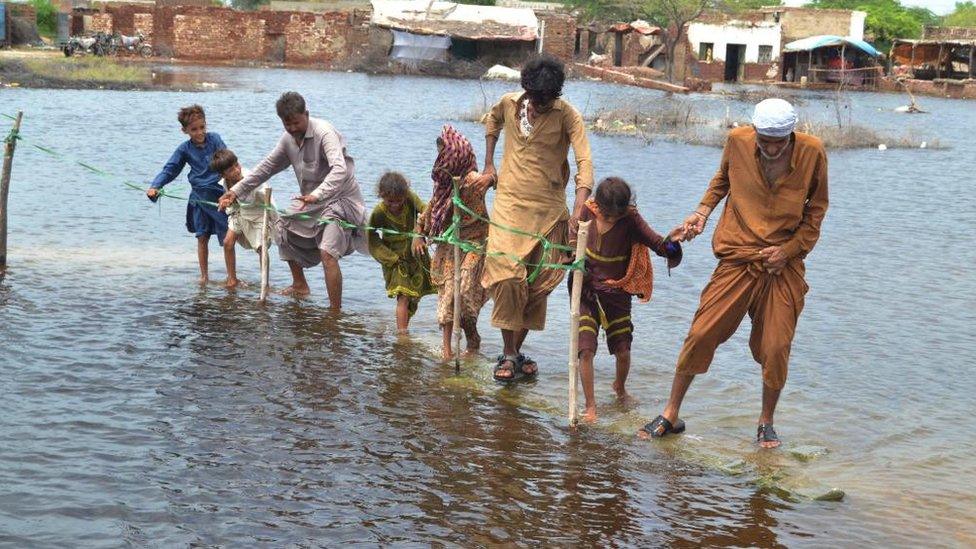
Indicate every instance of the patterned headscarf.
{"type": "Point", "coordinates": [455, 160]}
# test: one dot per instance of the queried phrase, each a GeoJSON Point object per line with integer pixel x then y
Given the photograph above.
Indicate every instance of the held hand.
{"type": "Point", "coordinates": [226, 200]}
{"type": "Point", "coordinates": [774, 259]}
{"type": "Point", "coordinates": [487, 179]}
{"type": "Point", "coordinates": [679, 234]}
{"type": "Point", "coordinates": [306, 200]}
{"type": "Point", "coordinates": [694, 225]}
{"type": "Point", "coordinates": [419, 246]}
{"type": "Point", "coordinates": [153, 194]}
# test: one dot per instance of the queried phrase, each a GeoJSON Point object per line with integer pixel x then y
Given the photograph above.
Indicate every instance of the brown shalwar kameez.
{"type": "Point", "coordinates": [757, 214]}
{"type": "Point", "coordinates": [531, 196]}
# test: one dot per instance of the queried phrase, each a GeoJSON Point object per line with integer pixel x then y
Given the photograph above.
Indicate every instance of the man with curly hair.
{"type": "Point", "coordinates": [530, 197]}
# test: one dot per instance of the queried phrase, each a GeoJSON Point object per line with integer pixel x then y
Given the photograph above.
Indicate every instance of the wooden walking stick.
{"type": "Point", "coordinates": [8, 159]}
{"type": "Point", "coordinates": [265, 268]}
{"type": "Point", "coordinates": [457, 282]}
{"type": "Point", "coordinates": [574, 318]}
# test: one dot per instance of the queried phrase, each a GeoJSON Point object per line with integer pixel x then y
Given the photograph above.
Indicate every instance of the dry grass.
{"type": "Point", "coordinates": [681, 122]}
{"type": "Point", "coordinates": [88, 69]}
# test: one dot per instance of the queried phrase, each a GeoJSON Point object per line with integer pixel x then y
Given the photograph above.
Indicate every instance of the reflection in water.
{"type": "Point", "coordinates": [141, 408]}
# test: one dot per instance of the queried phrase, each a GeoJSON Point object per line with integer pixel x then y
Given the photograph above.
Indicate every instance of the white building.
{"type": "Point", "coordinates": [739, 41]}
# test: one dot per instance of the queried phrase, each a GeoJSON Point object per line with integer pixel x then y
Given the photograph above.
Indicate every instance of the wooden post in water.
{"type": "Point", "coordinates": [8, 160]}
{"type": "Point", "coordinates": [265, 268]}
{"type": "Point", "coordinates": [457, 283]}
{"type": "Point", "coordinates": [574, 318]}
{"type": "Point", "coordinates": [843, 63]}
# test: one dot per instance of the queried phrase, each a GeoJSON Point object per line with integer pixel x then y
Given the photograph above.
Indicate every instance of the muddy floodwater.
{"type": "Point", "coordinates": [137, 409]}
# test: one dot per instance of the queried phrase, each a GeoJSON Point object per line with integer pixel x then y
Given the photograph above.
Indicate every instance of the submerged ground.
{"type": "Point", "coordinates": [140, 409]}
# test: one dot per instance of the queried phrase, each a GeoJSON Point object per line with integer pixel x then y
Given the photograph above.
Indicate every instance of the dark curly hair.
{"type": "Point", "coordinates": [189, 114]}
{"type": "Point", "coordinates": [392, 184]}
{"type": "Point", "coordinates": [542, 79]}
{"type": "Point", "coordinates": [222, 160]}
{"type": "Point", "coordinates": [290, 104]}
{"type": "Point", "coordinates": [614, 197]}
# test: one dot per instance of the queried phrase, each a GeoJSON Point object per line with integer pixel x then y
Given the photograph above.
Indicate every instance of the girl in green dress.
{"type": "Point", "coordinates": [407, 274]}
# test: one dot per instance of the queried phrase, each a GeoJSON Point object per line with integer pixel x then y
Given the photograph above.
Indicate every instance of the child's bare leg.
{"type": "Point", "coordinates": [446, 331]}
{"type": "Point", "coordinates": [230, 259]}
{"type": "Point", "coordinates": [586, 376]}
{"type": "Point", "coordinates": [299, 286]}
{"type": "Point", "coordinates": [203, 258]}
{"type": "Point", "coordinates": [471, 335]}
{"type": "Point", "coordinates": [402, 313]}
{"type": "Point", "coordinates": [623, 369]}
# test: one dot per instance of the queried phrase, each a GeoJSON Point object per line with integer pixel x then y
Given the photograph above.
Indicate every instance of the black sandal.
{"type": "Point", "coordinates": [661, 426]}
{"type": "Point", "coordinates": [523, 360]}
{"type": "Point", "coordinates": [500, 367]}
{"type": "Point", "coordinates": [765, 433]}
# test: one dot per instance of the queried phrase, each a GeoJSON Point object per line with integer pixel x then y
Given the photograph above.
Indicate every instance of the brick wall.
{"type": "Point", "coordinates": [950, 33]}
{"type": "Point", "coordinates": [143, 22]}
{"type": "Point", "coordinates": [218, 35]}
{"type": "Point", "coordinates": [124, 16]}
{"type": "Point", "coordinates": [802, 23]}
{"type": "Point", "coordinates": [22, 11]}
{"type": "Point", "coordinates": [100, 22]}
{"type": "Point", "coordinates": [560, 36]}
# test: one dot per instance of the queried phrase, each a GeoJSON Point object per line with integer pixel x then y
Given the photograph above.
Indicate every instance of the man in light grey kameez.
{"type": "Point", "coordinates": [316, 151]}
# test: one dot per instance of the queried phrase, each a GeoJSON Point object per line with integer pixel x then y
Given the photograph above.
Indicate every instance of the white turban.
{"type": "Point", "coordinates": [774, 118]}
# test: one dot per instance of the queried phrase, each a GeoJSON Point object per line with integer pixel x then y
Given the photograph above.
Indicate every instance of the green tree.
{"type": "Point", "coordinates": [886, 20]}
{"type": "Point", "coordinates": [47, 17]}
{"type": "Point", "coordinates": [963, 16]}
{"type": "Point", "coordinates": [736, 6]}
{"type": "Point", "coordinates": [248, 4]}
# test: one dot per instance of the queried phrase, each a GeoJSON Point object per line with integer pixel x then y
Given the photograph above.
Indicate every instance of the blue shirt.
{"type": "Point", "coordinates": [204, 181]}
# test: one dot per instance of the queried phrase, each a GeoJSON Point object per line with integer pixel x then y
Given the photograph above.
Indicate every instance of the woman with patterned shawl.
{"type": "Point", "coordinates": [455, 158]}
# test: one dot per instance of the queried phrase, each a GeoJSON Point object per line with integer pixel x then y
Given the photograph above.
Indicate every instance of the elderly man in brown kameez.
{"type": "Point", "coordinates": [774, 181]}
{"type": "Point", "coordinates": [531, 198]}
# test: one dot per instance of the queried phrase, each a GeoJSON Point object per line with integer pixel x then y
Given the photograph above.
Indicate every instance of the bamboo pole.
{"type": "Point", "coordinates": [457, 284]}
{"type": "Point", "coordinates": [8, 160]}
{"type": "Point", "coordinates": [574, 318]}
{"type": "Point", "coordinates": [265, 268]}
{"type": "Point", "coordinates": [843, 63]}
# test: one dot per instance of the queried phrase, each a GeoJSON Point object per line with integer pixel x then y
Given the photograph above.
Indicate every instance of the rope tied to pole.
{"type": "Point", "coordinates": [449, 236]}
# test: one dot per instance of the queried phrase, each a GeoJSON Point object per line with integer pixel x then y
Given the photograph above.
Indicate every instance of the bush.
{"type": "Point", "coordinates": [47, 17]}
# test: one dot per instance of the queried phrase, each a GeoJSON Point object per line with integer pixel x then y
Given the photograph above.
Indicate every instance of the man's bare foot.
{"type": "Point", "coordinates": [403, 332]}
{"type": "Point", "coordinates": [446, 354]}
{"type": "Point", "coordinates": [296, 291]}
{"type": "Point", "coordinates": [232, 283]}
{"type": "Point", "coordinates": [623, 397]}
{"type": "Point", "coordinates": [589, 415]}
{"type": "Point", "coordinates": [471, 352]}
{"type": "Point", "coordinates": [203, 280]}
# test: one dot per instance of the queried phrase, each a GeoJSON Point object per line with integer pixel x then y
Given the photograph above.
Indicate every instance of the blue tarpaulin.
{"type": "Point", "coordinates": [3, 23]}
{"type": "Point", "coordinates": [827, 40]}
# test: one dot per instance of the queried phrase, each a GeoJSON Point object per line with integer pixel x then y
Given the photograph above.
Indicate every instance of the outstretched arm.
{"type": "Point", "coordinates": [276, 161]}
{"type": "Point", "coordinates": [171, 170]}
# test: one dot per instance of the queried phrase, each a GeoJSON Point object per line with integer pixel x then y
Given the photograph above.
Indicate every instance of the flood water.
{"type": "Point", "coordinates": [137, 409]}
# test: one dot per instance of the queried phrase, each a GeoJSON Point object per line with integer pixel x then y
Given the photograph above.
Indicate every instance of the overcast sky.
{"type": "Point", "coordinates": [940, 7]}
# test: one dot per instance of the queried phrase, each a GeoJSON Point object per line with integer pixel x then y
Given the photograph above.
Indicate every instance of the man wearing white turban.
{"type": "Point", "coordinates": [775, 182]}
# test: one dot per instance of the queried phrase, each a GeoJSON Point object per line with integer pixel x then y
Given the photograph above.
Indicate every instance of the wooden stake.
{"type": "Point", "coordinates": [265, 268]}
{"type": "Point", "coordinates": [8, 160]}
{"type": "Point", "coordinates": [457, 285]}
{"type": "Point", "coordinates": [574, 318]}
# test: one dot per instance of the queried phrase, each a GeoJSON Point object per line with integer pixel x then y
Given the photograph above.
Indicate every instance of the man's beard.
{"type": "Point", "coordinates": [777, 156]}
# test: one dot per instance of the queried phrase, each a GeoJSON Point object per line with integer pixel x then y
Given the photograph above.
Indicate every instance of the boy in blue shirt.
{"type": "Point", "coordinates": [202, 219]}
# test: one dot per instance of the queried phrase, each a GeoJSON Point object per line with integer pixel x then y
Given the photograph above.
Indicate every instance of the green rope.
{"type": "Point", "coordinates": [449, 236]}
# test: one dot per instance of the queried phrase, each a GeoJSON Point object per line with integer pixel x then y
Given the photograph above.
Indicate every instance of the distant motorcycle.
{"type": "Point", "coordinates": [131, 44]}
{"type": "Point", "coordinates": [79, 45]}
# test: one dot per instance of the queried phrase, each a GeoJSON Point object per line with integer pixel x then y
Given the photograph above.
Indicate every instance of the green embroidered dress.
{"type": "Point", "coordinates": [404, 274]}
